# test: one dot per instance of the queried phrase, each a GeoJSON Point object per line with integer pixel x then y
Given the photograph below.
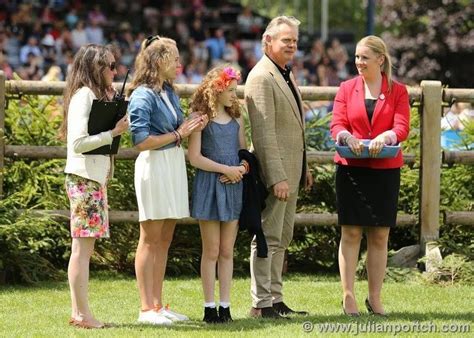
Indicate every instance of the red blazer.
{"type": "Point", "coordinates": [392, 112]}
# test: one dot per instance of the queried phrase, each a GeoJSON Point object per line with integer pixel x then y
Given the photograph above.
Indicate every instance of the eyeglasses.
{"type": "Point", "coordinates": [112, 66]}
{"type": "Point", "coordinates": [150, 39]}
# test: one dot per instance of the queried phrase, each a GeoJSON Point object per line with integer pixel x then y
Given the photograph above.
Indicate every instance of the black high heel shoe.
{"type": "Point", "coordinates": [371, 310]}
{"type": "Point", "coordinates": [350, 314]}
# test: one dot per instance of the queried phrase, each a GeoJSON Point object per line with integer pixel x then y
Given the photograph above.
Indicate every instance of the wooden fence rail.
{"type": "Point", "coordinates": [458, 157]}
{"type": "Point", "coordinates": [51, 152]}
{"type": "Point", "coordinates": [458, 217]}
{"type": "Point", "coordinates": [319, 157]}
{"type": "Point", "coordinates": [16, 88]}
{"type": "Point", "coordinates": [117, 216]}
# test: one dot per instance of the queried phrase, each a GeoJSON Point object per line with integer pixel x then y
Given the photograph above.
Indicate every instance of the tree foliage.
{"type": "Point", "coordinates": [343, 15]}
{"type": "Point", "coordinates": [430, 39]}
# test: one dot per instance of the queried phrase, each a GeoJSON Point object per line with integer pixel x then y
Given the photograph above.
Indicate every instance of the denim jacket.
{"type": "Point", "coordinates": [149, 114]}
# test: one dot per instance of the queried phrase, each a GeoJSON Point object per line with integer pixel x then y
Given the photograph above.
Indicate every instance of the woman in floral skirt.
{"type": "Point", "coordinates": [90, 78]}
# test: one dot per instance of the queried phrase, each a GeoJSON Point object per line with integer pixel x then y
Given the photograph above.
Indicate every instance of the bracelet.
{"type": "Point", "coordinates": [177, 138]}
{"type": "Point", "coordinates": [246, 165]}
{"type": "Point", "coordinates": [180, 138]}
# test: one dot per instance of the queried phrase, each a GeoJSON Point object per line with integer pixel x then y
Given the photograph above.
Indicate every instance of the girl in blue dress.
{"type": "Point", "coordinates": [217, 189]}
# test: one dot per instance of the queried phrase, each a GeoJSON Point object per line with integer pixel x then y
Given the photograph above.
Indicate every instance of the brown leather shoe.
{"type": "Point", "coordinates": [265, 312]}
{"type": "Point", "coordinates": [255, 312]}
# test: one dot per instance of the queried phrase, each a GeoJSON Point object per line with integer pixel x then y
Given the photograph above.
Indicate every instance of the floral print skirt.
{"type": "Point", "coordinates": [89, 207]}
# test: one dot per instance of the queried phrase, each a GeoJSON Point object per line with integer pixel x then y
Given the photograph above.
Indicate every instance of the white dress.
{"type": "Point", "coordinates": [161, 182]}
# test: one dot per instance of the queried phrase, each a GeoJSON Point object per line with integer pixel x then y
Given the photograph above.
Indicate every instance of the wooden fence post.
{"type": "Point", "coordinates": [2, 129]}
{"type": "Point", "coordinates": [430, 167]}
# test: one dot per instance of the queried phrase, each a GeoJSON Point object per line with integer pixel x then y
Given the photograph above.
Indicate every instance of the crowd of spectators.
{"type": "Point", "coordinates": [38, 39]}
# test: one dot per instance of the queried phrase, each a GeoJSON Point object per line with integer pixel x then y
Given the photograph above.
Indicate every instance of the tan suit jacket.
{"type": "Point", "coordinates": [277, 125]}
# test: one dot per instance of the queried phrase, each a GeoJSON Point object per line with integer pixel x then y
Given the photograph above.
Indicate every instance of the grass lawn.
{"type": "Point", "coordinates": [43, 310]}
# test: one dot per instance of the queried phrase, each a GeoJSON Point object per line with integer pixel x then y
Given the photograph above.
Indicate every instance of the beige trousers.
{"type": "Point", "coordinates": [266, 273]}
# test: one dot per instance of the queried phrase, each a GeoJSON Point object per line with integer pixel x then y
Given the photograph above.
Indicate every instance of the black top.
{"type": "Point", "coordinates": [286, 75]}
{"type": "Point", "coordinates": [370, 107]}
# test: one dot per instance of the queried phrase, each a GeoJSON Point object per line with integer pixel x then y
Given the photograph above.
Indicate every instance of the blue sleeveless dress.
{"type": "Point", "coordinates": [211, 199]}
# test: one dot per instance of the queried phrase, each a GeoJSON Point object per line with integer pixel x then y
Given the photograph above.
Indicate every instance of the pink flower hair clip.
{"type": "Point", "coordinates": [225, 78]}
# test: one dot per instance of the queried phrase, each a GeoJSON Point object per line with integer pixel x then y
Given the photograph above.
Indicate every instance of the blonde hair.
{"type": "Point", "coordinates": [87, 70]}
{"type": "Point", "coordinates": [205, 97]}
{"type": "Point", "coordinates": [378, 46]}
{"type": "Point", "coordinates": [274, 27]}
{"type": "Point", "coordinates": [154, 56]}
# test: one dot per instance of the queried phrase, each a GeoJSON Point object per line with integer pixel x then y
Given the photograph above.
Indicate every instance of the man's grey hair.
{"type": "Point", "coordinates": [274, 27]}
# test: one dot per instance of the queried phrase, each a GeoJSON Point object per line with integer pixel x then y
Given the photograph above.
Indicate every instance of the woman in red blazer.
{"type": "Point", "coordinates": [370, 106]}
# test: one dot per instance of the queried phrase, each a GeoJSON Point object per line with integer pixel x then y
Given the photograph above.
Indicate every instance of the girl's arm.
{"type": "Point", "coordinates": [140, 121]}
{"type": "Point", "coordinates": [197, 160]}
{"type": "Point", "coordinates": [158, 141]}
{"type": "Point", "coordinates": [242, 141]}
{"type": "Point", "coordinates": [243, 145]}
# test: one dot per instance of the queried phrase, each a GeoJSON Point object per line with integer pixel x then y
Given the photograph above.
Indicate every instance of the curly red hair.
{"type": "Point", "coordinates": [215, 82]}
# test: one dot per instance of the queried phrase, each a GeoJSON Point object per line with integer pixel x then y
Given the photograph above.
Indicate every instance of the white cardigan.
{"type": "Point", "coordinates": [93, 167]}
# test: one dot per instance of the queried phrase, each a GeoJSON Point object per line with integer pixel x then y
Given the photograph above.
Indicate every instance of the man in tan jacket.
{"type": "Point", "coordinates": [276, 115]}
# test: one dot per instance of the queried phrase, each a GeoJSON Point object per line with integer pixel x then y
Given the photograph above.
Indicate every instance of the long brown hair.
{"type": "Point", "coordinates": [87, 70]}
{"type": "Point", "coordinates": [154, 56]}
{"type": "Point", "coordinates": [205, 97]}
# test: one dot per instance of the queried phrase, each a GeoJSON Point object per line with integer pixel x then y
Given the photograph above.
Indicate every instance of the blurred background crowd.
{"type": "Point", "coordinates": [38, 38]}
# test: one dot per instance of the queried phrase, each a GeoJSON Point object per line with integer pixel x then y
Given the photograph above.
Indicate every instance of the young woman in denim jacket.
{"type": "Point", "coordinates": [158, 128]}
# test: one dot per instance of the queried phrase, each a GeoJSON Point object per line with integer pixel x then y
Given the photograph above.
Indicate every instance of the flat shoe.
{"type": "Point", "coordinates": [87, 325]}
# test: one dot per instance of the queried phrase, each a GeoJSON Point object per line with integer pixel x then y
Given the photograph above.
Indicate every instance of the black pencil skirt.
{"type": "Point", "coordinates": [366, 196]}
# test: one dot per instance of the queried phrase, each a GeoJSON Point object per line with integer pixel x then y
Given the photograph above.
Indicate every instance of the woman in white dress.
{"type": "Point", "coordinates": [158, 127]}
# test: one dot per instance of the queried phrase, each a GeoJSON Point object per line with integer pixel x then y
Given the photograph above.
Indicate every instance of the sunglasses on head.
{"type": "Point", "coordinates": [150, 39]}
{"type": "Point", "coordinates": [112, 66]}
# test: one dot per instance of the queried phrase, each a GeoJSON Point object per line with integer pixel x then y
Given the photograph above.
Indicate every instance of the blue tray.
{"type": "Point", "coordinates": [386, 152]}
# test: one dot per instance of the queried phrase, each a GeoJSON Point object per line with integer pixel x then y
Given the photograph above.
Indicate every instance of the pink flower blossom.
{"type": "Point", "coordinates": [73, 192]}
{"type": "Point", "coordinates": [94, 219]}
{"type": "Point", "coordinates": [224, 79]}
{"type": "Point", "coordinates": [76, 232]}
{"type": "Point", "coordinates": [84, 233]}
{"type": "Point", "coordinates": [97, 195]}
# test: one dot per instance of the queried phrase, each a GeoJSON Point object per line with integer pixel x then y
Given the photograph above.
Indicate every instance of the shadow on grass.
{"type": "Point", "coordinates": [250, 324]}
{"type": "Point", "coordinates": [424, 316]}
{"type": "Point", "coordinates": [238, 325]}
